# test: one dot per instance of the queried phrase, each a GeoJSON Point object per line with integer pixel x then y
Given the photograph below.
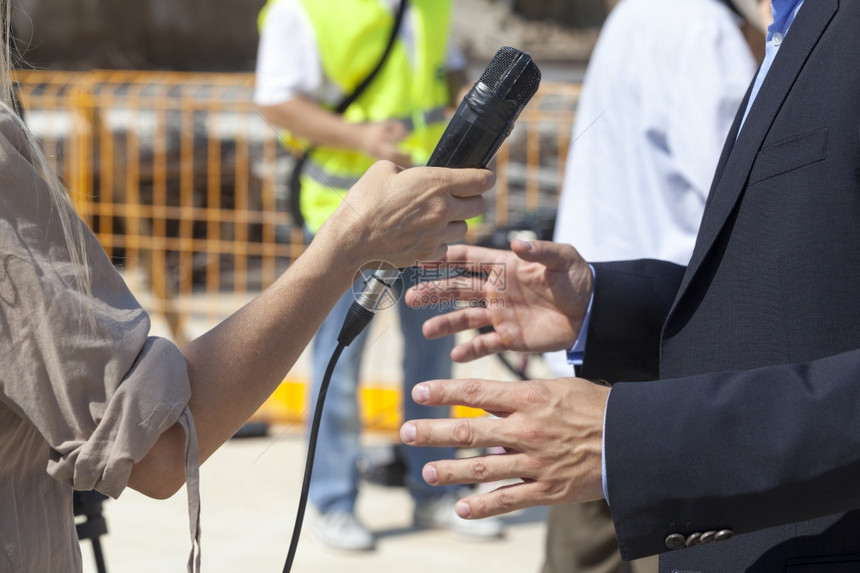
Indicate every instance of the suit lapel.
{"type": "Point", "coordinates": [739, 155]}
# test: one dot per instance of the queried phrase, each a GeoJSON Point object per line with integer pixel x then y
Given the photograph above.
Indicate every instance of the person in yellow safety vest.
{"type": "Point", "coordinates": [312, 53]}
{"type": "Point", "coordinates": [399, 117]}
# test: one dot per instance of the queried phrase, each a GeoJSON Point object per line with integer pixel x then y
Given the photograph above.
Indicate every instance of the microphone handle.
{"type": "Point", "coordinates": [479, 127]}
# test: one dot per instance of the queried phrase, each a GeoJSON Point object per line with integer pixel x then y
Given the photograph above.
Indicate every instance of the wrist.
{"type": "Point", "coordinates": [341, 242]}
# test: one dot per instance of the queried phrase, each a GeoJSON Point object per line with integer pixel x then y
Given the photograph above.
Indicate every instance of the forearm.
{"type": "Point", "coordinates": [309, 120]}
{"type": "Point", "coordinates": [235, 366]}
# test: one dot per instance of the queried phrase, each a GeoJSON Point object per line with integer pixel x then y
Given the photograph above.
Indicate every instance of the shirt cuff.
{"type": "Point", "coordinates": [603, 453]}
{"type": "Point", "coordinates": [574, 356]}
{"type": "Point", "coordinates": [576, 352]}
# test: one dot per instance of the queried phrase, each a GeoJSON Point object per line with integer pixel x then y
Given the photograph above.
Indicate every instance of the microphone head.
{"type": "Point", "coordinates": [487, 114]}
{"type": "Point", "coordinates": [512, 75]}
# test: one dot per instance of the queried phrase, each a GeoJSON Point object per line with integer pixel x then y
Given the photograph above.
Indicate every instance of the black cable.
{"type": "Point", "coordinates": [309, 464]}
{"type": "Point", "coordinates": [356, 320]}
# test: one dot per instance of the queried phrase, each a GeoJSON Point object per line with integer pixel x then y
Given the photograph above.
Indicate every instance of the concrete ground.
{"type": "Point", "coordinates": [250, 494]}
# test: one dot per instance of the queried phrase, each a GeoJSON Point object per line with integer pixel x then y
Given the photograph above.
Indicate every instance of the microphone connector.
{"type": "Point", "coordinates": [375, 291]}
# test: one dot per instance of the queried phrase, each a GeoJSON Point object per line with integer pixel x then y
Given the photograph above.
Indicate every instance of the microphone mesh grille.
{"type": "Point", "coordinates": [524, 86]}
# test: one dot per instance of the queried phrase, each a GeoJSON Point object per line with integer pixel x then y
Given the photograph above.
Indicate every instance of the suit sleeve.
{"type": "Point", "coordinates": [738, 451]}
{"type": "Point", "coordinates": [631, 302]}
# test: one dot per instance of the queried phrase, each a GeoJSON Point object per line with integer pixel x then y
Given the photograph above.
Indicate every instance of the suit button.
{"type": "Point", "coordinates": [707, 537]}
{"type": "Point", "coordinates": [675, 541]}
{"type": "Point", "coordinates": [724, 534]}
{"type": "Point", "coordinates": [693, 539]}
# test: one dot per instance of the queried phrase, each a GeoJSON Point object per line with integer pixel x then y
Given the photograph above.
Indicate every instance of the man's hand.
{"type": "Point", "coordinates": [551, 430]}
{"type": "Point", "coordinates": [380, 140]}
{"type": "Point", "coordinates": [535, 298]}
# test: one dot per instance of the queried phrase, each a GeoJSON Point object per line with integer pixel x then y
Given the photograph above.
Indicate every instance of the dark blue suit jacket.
{"type": "Point", "coordinates": [753, 432]}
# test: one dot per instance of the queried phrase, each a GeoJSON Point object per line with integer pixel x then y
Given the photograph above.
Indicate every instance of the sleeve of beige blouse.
{"type": "Point", "coordinates": [87, 374]}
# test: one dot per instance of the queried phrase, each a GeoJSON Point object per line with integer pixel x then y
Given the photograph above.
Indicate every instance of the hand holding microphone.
{"type": "Point", "coordinates": [480, 125]}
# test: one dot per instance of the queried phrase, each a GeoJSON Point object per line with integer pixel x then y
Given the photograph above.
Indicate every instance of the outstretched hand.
{"type": "Point", "coordinates": [551, 430]}
{"type": "Point", "coordinates": [535, 297]}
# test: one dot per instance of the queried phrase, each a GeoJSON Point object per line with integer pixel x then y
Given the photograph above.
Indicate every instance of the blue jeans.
{"type": "Point", "coordinates": [334, 484]}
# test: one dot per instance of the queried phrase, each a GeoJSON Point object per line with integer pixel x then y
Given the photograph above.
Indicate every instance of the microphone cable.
{"type": "Point", "coordinates": [309, 463]}
{"type": "Point", "coordinates": [356, 320]}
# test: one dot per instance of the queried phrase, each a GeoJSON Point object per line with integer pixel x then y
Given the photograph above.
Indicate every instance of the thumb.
{"type": "Point", "coordinates": [554, 256]}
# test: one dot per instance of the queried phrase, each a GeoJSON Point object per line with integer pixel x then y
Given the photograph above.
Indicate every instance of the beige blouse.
{"type": "Point", "coordinates": [85, 391]}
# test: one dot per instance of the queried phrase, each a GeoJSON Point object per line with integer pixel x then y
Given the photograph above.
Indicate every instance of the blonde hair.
{"type": "Point", "coordinates": [73, 226]}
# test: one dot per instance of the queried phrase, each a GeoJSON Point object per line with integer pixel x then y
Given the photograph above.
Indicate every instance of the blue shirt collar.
{"type": "Point", "coordinates": [784, 12]}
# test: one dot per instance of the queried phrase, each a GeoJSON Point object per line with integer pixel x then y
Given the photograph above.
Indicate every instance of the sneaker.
{"type": "Point", "coordinates": [342, 530]}
{"type": "Point", "coordinates": [439, 513]}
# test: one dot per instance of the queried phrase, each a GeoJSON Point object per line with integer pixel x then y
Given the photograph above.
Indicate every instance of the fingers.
{"type": "Point", "coordinates": [489, 395]}
{"type": "Point", "coordinates": [456, 231]}
{"type": "Point", "coordinates": [463, 208]}
{"type": "Point", "coordinates": [464, 288]}
{"type": "Point", "coordinates": [453, 432]}
{"type": "Point", "coordinates": [555, 256]}
{"type": "Point", "coordinates": [551, 431]}
{"type": "Point", "coordinates": [449, 323]}
{"type": "Point", "coordinates": [479, 469]}
{"type": "Point", "coordinates": [504, 499]}
{"type": "Point", "coordinates": [461, 182]}
{"type": "Point", "coordinates": [478, 347]}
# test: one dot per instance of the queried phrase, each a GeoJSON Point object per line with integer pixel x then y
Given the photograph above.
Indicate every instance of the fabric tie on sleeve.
{"type": "Point", "coordinates": [192, 485]}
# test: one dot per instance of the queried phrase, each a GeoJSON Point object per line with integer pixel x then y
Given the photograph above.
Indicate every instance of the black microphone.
{"type": "Point", "coordinates": [487, 114]}
{"type": "Point", "coordinates": [480, 125]}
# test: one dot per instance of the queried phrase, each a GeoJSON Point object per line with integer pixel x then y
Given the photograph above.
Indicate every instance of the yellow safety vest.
{"type": "Point", "coordinates": [351, 37]}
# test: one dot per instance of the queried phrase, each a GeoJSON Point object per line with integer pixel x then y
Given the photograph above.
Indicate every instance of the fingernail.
{"type": "Point", "coordinates": [429, 474]}
{"type": "Point", "coordinates": [527, 244]}
{"type": "Point", "coordinates": [463, 510]}
{"type": "Point", "coordinates": [421, 393]}
{"type": "Point", "coordinates": [408, 433]}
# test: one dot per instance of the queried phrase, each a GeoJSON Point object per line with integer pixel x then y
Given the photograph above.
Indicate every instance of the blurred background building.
{"type": "Point", "coordinates": [221, 35]}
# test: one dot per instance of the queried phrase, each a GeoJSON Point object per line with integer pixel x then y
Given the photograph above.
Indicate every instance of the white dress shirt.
{"type": "Point", "coordinates": [660, 94]}
{"type": "Point", "coordinates": [662, 88]}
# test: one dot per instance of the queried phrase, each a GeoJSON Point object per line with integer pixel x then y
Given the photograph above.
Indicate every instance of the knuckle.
{"type": "Point", "coordinates": [533, 435]}
{"type": "Point", "coordinates": [505, 501]}
{"type": "Point", "coordinates": [447, 474]}
{"type": "Point", "coordinates": [463, 433]}
{"type": "Point", "coordinates": [479, 471]}
{"type": "Point", "coordinates": [437, 206]}
{"type": "Point", "coordinates": [472, 391]}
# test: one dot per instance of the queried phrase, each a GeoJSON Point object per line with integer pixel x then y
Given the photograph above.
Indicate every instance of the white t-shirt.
{"type": "Point", "coordinates": [659, 97]}
{"type": "Point", "coordinates": [288, 58]}
{"type": "Point", "coordinates": [660, 94]}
